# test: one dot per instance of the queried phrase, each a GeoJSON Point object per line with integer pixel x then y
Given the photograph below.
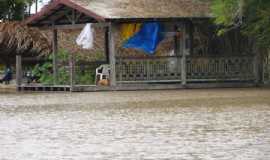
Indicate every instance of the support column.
{"type": "Point", "coordinates": [36, 6]}
{"type": "Point", "coordinates": [106, 44]}
{"type": "Point", "coordinates": [256, 68]}
{"type": "Point", "coordinates": [176, 42]}
{"type": "Point", "coordinates": [18, 70]}
{"type": "Point", "coordinates": [112, 54]}
{"type": "Point", "coordinates": [183, 54]}
{"type": "Point", "coordinates": [55, 50]}
{"type": "Point", "coordinates": [72, 71]}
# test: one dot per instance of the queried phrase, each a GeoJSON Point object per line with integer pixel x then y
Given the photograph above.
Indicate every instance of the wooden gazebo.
{"type": "Point", "coordinates": [149, 72]}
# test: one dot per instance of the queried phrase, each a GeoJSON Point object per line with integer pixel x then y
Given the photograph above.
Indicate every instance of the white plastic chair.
{"type": "Point", "coordinates": [102, 72]}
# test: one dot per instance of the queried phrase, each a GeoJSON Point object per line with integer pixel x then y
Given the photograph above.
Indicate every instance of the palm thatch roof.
{"type": "Point", "coordinates": [16, 38]}
{"type": "Point", "coordinates": [114, 9]}
{"type": "Point", "coordinates": [111, 10]}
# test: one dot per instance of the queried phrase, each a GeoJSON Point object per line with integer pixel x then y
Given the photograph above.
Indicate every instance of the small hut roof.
{"type": "Point", "coordinates": [114, 9]}
{"type": "Point", "coordinates": [109, 10]}
{"type": "Point", "coordinates": [16, 38]}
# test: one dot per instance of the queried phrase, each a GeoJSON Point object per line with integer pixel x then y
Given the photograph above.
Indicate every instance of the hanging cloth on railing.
{"type": "Point", "coordinates": [147, 39]}
{"type": "Point", "coordinates": [128, 30]}
{"type": "Point", "coordinates": [86, 37]}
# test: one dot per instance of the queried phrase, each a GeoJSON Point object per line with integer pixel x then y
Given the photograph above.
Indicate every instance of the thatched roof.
{"type": "Point", "coordinates": [16, 38]}
{"type": "Point", "coordinates": [114, 9]}
{"type": "Point", "coordinates": [110, 10]}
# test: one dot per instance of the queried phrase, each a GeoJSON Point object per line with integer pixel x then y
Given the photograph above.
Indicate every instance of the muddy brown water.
{"type": "Point", "coordinates": [216, 124]}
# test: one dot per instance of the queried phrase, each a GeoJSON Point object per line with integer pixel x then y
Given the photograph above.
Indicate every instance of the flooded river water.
{"type": "Point", "coordinates": [217, 124]}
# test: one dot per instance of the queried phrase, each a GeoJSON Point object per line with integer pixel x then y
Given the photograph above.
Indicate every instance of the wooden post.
{"type": "Point", "coordinates": [55, 50]}
{"type": "Point", "coordinates": [112, 53]}
{"type": "Point", "coordinates": [176, 43]}
{"type": "Point", "coordinates": [264, 68]}
{"type": "Point", "coordinates": [72, 71]}
{"type": "Point", "coordinates": [183, 54]}
{"type": "Point", "coordinates": [258, 68]}
{"type": "Point", "coordinates": [191, 37]}
{"type": "Point", "coordinates": [106, 44]}
{"type": "Point", "coordinates": [177, 51]}
{"type": "Point", "coordinates": [36, 4]}
{"type": "Point", "coordinates": [18, 70]}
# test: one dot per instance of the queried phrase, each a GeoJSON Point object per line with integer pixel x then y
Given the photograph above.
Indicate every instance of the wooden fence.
{"type": "Point", "coordinates": [154, 69]}
{"type": "Point", "coordinates": [198, 69]}
{"type": "Point", "coordinates": [237, 68]}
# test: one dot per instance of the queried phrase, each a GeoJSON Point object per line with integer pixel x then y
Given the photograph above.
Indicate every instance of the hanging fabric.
{"type": "Point", "coordinates": [147, 39]}
{"type": "Point", "coordinates": [128, 30]}
{"type": "Point", "coordinates": [86, 37]}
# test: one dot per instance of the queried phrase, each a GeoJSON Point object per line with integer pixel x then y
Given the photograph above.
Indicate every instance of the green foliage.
{"type": "Point", "coordinates": [251, 16]}
{"type": "Point", "coordinates": [85, 76]}
{"type": "Point", "coordinates": [258, 23]}
{"type": "Point", "coordinates": [13, 9]}
{"type": "Point", "coordinates": [224, 11]}
{"type": "Point", "coordinates": [45, 71]}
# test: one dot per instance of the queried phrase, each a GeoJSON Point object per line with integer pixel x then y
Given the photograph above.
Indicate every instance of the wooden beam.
{"type": "Point", "coordinates": [46, 17]}
{"type": "Point", "coordinates": [183, 53]}
{"type": "Point", "coordinates": [257, 68]}
{"type": "Point", "coordinates": [75, 26]}
{"type": "Point", "coordinates": [72, 70]}
{"type": "Point", "coordinates": [78, 16]}
{"type": "Point", "coordinates": [112, 53]}
{"type": "Point", "coordinates": [176, 43]}
{"type": "Point", "coordinates": [191, 35]}
{"type": "Point", "coordinates": [177, 51]}
{"type": "Point", "coordinates": [169, 34]}
{"type": "Point", "coordinates": [36, 5]}
{"type": "Point", "coordinates": [58, 16]}
{"type": "Point", "coordinates": [55, 50]}
{"type": "Point", "coordinates": [71, 18]}
{"type": "Point", "coordinates": [18, 70]}
{"type": "Point", "coordinates": [135, 87]}
{"type": "Point", "coordinates": [106, 44]}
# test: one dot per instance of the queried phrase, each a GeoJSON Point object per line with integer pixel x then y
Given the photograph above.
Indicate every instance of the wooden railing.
{"type": "Point", "coordinates": [150, 69]}
{"type": "Point", "coordinates": [220, 68]}
{"type": "Point", "coordinates": [198, 69]}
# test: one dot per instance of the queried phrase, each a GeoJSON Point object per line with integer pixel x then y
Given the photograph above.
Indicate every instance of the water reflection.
{"type": "Point", "coordinates": [189, 125]}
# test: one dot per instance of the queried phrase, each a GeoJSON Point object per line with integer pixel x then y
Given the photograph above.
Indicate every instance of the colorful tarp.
{"type": "Point", "coordinates": [147, 39]}
{"type": "Point", "coordinates": [128, 30]}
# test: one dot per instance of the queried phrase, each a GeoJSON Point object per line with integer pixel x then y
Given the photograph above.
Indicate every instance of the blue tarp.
{"type": "Point", "coordinates": [147, 39]}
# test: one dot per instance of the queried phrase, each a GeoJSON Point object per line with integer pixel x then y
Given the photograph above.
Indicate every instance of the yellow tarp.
{"type": "Point", "coordinates": [128, 30]}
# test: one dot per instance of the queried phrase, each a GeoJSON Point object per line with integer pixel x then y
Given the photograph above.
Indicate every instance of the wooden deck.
{"type": "Point", "coordinates": [7, 88]}
{"type": "Point", "coordinates": [126, 87]}
{"type": "Point", "coordinates": [132, 87]}
{"type": "Point", "coordinates": [158, 73]}
{"type": "Point", "coordinates": [42, 88]}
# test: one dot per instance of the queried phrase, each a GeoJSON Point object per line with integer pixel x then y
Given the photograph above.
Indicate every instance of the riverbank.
{"type": "Point", "coordinates": [242, 95]}
{"type": "Point", "coordinates": [7, 88]}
